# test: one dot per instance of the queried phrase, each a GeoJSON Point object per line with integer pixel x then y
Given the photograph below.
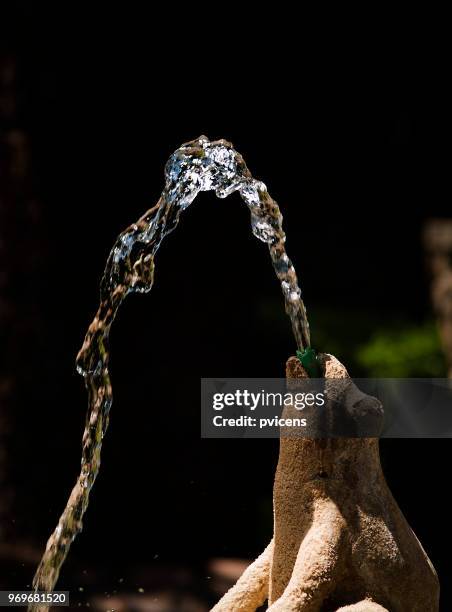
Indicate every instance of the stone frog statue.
{"type": "Point", "coordinates": [340, 541]}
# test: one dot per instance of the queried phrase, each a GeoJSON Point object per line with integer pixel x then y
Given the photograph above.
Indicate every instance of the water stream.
{"type": "Point", "coordinates": [197, 166]}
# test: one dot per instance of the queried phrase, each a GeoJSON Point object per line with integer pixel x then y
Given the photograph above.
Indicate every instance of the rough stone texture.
{"type": "Point", "coordinates": [363, 606]}
{"type": "Point", "coordinates": [340, 541]}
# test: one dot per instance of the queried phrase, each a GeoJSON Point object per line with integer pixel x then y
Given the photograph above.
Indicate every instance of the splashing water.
{"type": "Point", "coordinates": [197, 166]}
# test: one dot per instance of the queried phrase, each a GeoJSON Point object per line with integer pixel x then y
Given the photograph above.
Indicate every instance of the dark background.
{"type": "Point", "coordinates": [352, 148]}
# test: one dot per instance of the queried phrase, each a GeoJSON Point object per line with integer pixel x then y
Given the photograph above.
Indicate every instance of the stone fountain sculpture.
{"type": "Point", "coordinates": [340, 540]}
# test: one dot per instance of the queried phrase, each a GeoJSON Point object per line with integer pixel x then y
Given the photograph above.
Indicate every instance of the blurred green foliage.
{"type": "Point", "coordinates": [369, 344]}
{"type": "Point", "coordinates": [403, 353]}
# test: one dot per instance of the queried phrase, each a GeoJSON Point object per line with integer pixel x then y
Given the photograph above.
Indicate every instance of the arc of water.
{"type": "Point", "coordinates": [197, 166]}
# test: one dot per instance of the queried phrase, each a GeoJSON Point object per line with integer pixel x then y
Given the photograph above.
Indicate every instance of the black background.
{"type": "Point", "coordinates": [352, 146]}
